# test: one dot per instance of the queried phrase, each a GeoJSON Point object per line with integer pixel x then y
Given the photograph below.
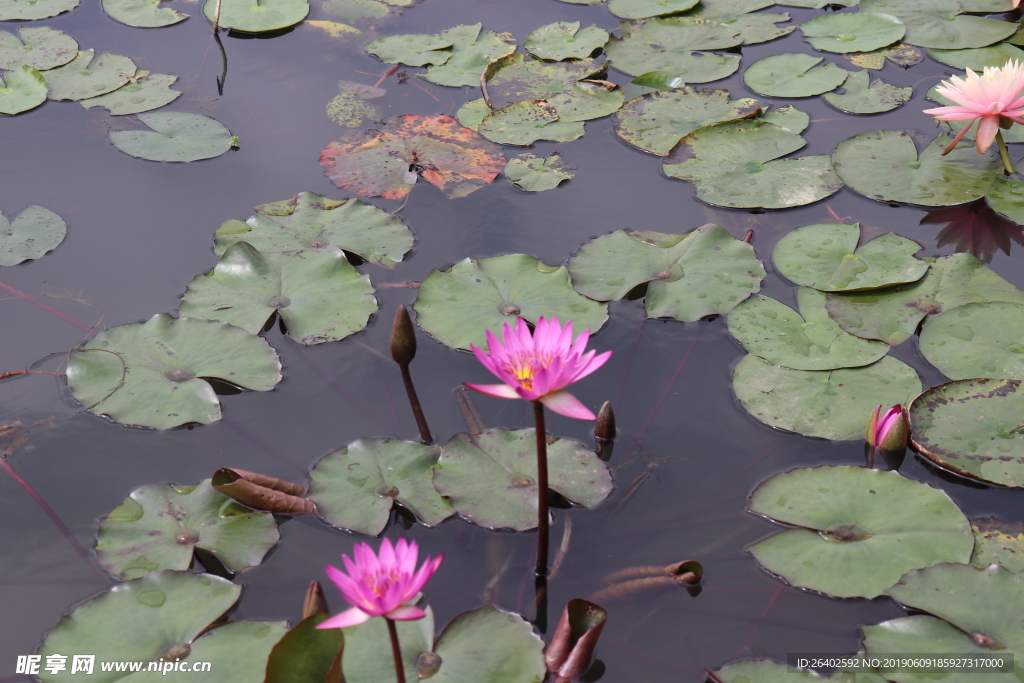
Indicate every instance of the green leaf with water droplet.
{"type": "Point", "coordinates": [145, 92]}
{"type": "Point", "coordinates": [678, 45]}
{"type": "Point", "coordinates": [875, 527]}
{"type": "Point", "coordinates": [860, 97]}
{"type": "Point", "coordinates": [852, 31]}
{"type": "Point", "coordinates": [22, 89]}
{"type": "Point", "coordinates": [491, 478]}
{"type": "Point", "coordinates": [977, 340]}
{"type": "Point", "coordinates": [565, 40]}
{"type": "Point", "coordinates": [793, 74]}
{"type": "Point", "coordinates": [85, 76]}
{"type": "Point", "coordinates": [42, 48]}
{"type": "Point", "coordinates": [20, 10]}
{"type": "Point", "coordinates": [34, 232]}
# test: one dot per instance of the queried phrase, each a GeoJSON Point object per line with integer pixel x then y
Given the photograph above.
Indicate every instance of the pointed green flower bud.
{"type": "Point", "coordinates": [403, 337]}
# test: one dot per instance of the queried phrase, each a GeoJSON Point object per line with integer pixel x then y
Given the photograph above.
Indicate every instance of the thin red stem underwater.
{"type": "Point", "coordinates": [396, 651]}
{"type": "Point", "coordinates": [542, 490]}
{"type": "Point", "coordinates": [43, 306]}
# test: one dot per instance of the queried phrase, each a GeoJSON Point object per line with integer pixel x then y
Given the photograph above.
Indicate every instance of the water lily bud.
{"type": "Point", "coordinates": [315, 601]}
{"type": "Point", "coordinates": [403, 337]}
{"type": "Point", "coordinates": [889, 430]}
{"type": "Point", "coordinates": [605, 426]}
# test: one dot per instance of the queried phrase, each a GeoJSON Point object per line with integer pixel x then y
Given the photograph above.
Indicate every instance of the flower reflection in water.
{"type": "Point", "coordinates": [974, 228]}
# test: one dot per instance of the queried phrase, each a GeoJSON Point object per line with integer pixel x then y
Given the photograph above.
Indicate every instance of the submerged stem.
{"type": "Point", "coordinates": [396, 651]}
{"type": "Point", "coordinates": [542, 490]}
{"type": "Point", "coordinates": [1004, 153]}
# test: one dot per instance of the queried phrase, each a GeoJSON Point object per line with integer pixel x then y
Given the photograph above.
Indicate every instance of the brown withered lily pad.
{"type": "Point", "coordinates": [388, 162]}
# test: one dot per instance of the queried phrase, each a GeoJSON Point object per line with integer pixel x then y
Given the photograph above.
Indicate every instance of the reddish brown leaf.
{"type": "Point", "coordinates": [261, 492]}
{"type": "Point", "coordinates": [572, 645]}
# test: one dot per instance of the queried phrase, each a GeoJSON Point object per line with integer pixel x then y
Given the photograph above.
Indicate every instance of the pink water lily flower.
{"type": "Point", "coordinates": [888, 430]}
{"type": "Point", "coordinates": [993, 98]}
{"type": "Point", "coordinates": [380, 586]}
{"type": "Point", "coordinates": [537, 367]}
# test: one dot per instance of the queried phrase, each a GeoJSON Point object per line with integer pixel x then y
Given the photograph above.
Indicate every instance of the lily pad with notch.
{"type": "Point", "coordinates": [793, 74]}
{"type": "Point", "coordinates": [1006, 196]}
{"type": "Point", "coordinates": [176, 136]}
{"type": "Point", "coordinates": [491, 478]}
{"type": "Point", "coordinates": [159, 526]}
{"type": "Point", "coordinates": [678, 45]}
{"type": "Point", "coordinates": [318, 294]}
{"type": "Point", "coordinates": [523, 123]}
{"type": "Point", "coordinates": [939, 24]}
{"type": "Point", "coordinates": [388, 161]}
{"type": "Point", "coordinates": [852, 31]}
{"type": "Point", "coordinates": [355, 488]}
{"type": "Point", "coordinates": [86, 76]}
{"type": "Point", "coordinates": [825, 256]}
{"type": "Point", "coordinates": [412, 49]}
{"type": "Point", "coordinates": [536, 174]}
{"type": "Point", "coordinates": [565, 40]}
{"type": "Point", "coordinates": [19, 10]}
{"type": "Point", "coordinates": [884, 165]}
{"type": "Point", "coordinates": [788, 117]}
{"type": "Point", "coordinates": [754, 28]}
{"type": "Point", "coordinates": [152, 374]}
{"type": "Point", "coordinates": [828, 404]}
{"type": "Point", "coordinates": [808, 340]}
{"type": "Point", "coordinates": [33, 233]}
{"type": "Point", "coordinates": [142, 13]}
{"type": "Point", "coordinates": [457, 306]}
{"type": "Point", "coordinates": [859, 531]}
{"type": "Point", "coordinates": [974, 428]}
{"type": "Point", "coordinates": [144, 92]}
{"type": "Point", "coordinates": [862, 97]}
{"type": "Point", "coordinates": [737, 164]}
{"type": "Point", "coordinates": [704, 272]}
{"type": "Point", "coordinates": [41, 48]}
{"type": "Point", "coordinates": [257, 16]}
{"type": "Point", "coordinates": [977, 340]}
{"type": "Point", "coordinates": [472, 51]}
{"type": "Point", "coordinates": [644, 9]}
{"type": "Point", "coordinates": [978, 58]}
{"type": "Point", "coordinates": [893, 314]}
{"type": "Point", "coordinates": [21, 89]}
{"type": "Point", "coordinates": [310, 221]}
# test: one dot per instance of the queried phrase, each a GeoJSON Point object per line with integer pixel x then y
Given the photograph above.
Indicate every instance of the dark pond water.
{"type": "Point", "coordinates": [687, 456]}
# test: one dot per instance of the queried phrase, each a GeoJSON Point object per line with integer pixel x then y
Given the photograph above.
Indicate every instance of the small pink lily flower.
{"type": "Point", "coordinates": [887, 431]}
{"type": "Point", "coordinates": [537, 367]}
{"type": "Point", "coordinates": [993, 98]}
{"type": "Point", "coordinates": [380, 586]}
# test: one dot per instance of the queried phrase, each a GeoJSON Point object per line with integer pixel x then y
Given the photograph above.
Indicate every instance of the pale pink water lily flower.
{"type": "Point", "coordinates": [537, 367]}
{"type": "Point", "coordinates": [994, 98]}
{"type": "Point", "coordinates": [380, 586]}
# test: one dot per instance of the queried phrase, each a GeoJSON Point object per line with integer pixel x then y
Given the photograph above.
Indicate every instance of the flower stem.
{"type": "Point", "coordinates": [1004, 153]}
{"type": "Point", "coordinates": [396, 651]}
{"type": "Point", "coordinates": [414, 402]}
{"type": "Point", "coordinates": [542, 490]}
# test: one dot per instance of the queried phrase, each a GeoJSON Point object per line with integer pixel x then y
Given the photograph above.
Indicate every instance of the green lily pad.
{"type": "Point", "coordinates": [864, 98]}
{"type": "Point", "coordinates": [818, 4]}
{"type": "Point", "coordinates": [998, 541]}
{"type": "Point", "coordinates": [789, 118]}
{"type": "Point", "coordinates": [978, 58]}
{"type": "Point", "coordinates": [472, 51]}
{"type": "Point", "coordinates": [150, 374]}
{"type": "Point", "coordinates": [655, 122]}
{"type": "Point", "coordinates": [21, 89]}
{"type": "Point", "coordinates": [829, 404]}
{"type": "Point", "coordinates": [677, 45]}
{"type": "Point", "coordinates": [142, 13]}
{"type": "Point", "coordinates": [42, 48]}
{"type": "Point", "coordinates": [901, 55]}
{"type": "Point", "coordinates": [523, 123]}
{"type": "Point", "coordinates": [876, 527]}
{"type": "Point", "coordinates": [659, 80]}
{"type": "Point", "coordinates": [362, 660]}
{"type": "Point", "coordinates": [457, 306]}
{"type": "Point", "coordinates": [412, 49]}
{"type": "Point", "coordinates": [793, 74]}
{"type": "Point", "coordinates": [87, 77]}
{"type": "Point", "coordinates": [736, 164]}
{"type": "Point", "coordinates": [491, 478]}
{"type": "Point", "coordinates": [536, 174]}
{"type": "Point", "coordinates": [145, 92]}
{"type": "Point", "coordinates": [643, 9]}
{"type": "Point", "coordinates": [565, 40]}
{"type": "Point", "coordinates": [733, 7]}
{"type": "Point", "coordinates": [884, 165]}
{"type": "Point", "coordinates": [175, 136]}
{"type": "Point", "coordinates": [704, 272]}
{"type": "Point", "coordinates": [256, 16]}
{"type": "Point", "coordinates": [765, 671]}
{"type": "Point", "coordinates": [809, 340]}
{"type": "Point", "coordinates": [893, 314]}
{"type": "Point", "coordinates": [158, 526]}
{"type": "Point", "coordinates": [472, 113]}
{"type": "Point", "coordinates": [34, 232]}
{"type": "Point", "coordinates": [1006, 196]}
{"type": "Point", "coordinates": [825, 256]}
{"type": "Point", "coordinates": [973, 427]}
{"type": "Point", "coordinates": [356, 487]}
{"type": "Point", "coordinates": [157, 615]}
{"type": "Point", "coordinates": [942, 28]}
{"type": "Point", "coordinates": [388, 161]}
{"type": "Point", "coordinates": [318, 294]}
{"type": "Point", "coordinates": [305, 652]}
{"type": "Point", "coordinates": [977, 340]}
{"type": "Point", "coordinates": [852, 32]}
{"type": "Point", "coordinates": [310, 221]}
{"type": "Point", "coordinates": [754, 28]}
{"type": "Point", "coordinates": [19, 10]}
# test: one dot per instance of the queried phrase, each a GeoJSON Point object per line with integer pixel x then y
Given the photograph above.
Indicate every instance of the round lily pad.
{"type": "Point", "coordinates": [704, 272]}
{"type": "Point", "coordinates": [536, 174]}
{"type": "Point", "coordinates": [793, 74]}
{"type": "Point", "coordinates": [884, 165]}
{"type": "Point", "coordinates": [978, 58]}
{"type": "Point", "coordinates": [977, 340]}
{"type": "Point", "coordinates": [157, 615]}
{"type": "Point", "coordinates": [151, 374]}
{"type": "Point", "coordinates": [158, 526]}
{"type": "Point", "coordinates": [310, 221]}
{"type": "Point", "coordinates": [22, 89]}
{"type": "Point", "coordinates": [318, 294]}
{"type": "Point", "coordinates": [825, 256]}
{"type": "Point", "coordinates": [85, 76]}
{"type": "Point", "coordinates": [42, 48]}
{"type": "Point", "coordinates": [256, 16]}
{"type": "Point", "coordinates": [754, 28]}
{"type": "Point", "coordinates": [809, 340]}
{"type": "Point", "coordinates": [457, 306]}
{"type": "Point", "coordinates": [472, 113]}
{"type": "Point", "coordinates": [523, 123]}
{"type": "Point", "coordinates": [472, 50]}
{"type": "Point", "coordinates": [852, 32]}
{"type": "Point", "coordinates": [142, 13]}
{"type": "Point", "coordinates": [565, 40]}
{"type": "Point", "coordinates": [19, 10]}
{"type": "Point", "coordinates": [356, 487]}
{"type": "Point", "coordinates": [642, 9]}
{"type": "Point", "coordinates": [973, 427]}
{"type": "Point", "coordinates": [145, 92]}
{"type": "Point", "coordinates": [875, 527]}
{"type": "Point", "coordinates": [860, 97]}
{"type": "Point", "coordinates": [655, 122]}
{"type": "Point", "coordinates": [829, 404]}
{"type": "Point", "coordinates": [491, 478]}
{"type": "Point", "coordinates": [737, 164]}
{"type": "Point", "coordinates": [33, 232]}
{"type": "Point", "coordinates": [788, 118]}
{"type": "Point", "coordinates": [411, 49]}
{"type": "Point", "coordinates": [677, 45]}
{"type": "Point", "coordinates": [998, 541]}
{"type": "Point", "coordinates": [893, 314]}
{"type": "Point", "coordinates": [937, 29]}
{"type": "Point", "coordinates": [176, 136]}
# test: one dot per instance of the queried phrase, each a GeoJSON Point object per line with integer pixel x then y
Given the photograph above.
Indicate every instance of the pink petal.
{"type": "Point", "coordinates": [564, 403]}
{"type": "Point", "coordinates": [592, 364]}
{"type": "Point", "coordinates": [405, 613]}
{"type": "Point", "coordinates": [349, 617]}
{"type": "Point", "coordinates": [498, 390]}
{"type": "Point", "coordinates": [987, 130]}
